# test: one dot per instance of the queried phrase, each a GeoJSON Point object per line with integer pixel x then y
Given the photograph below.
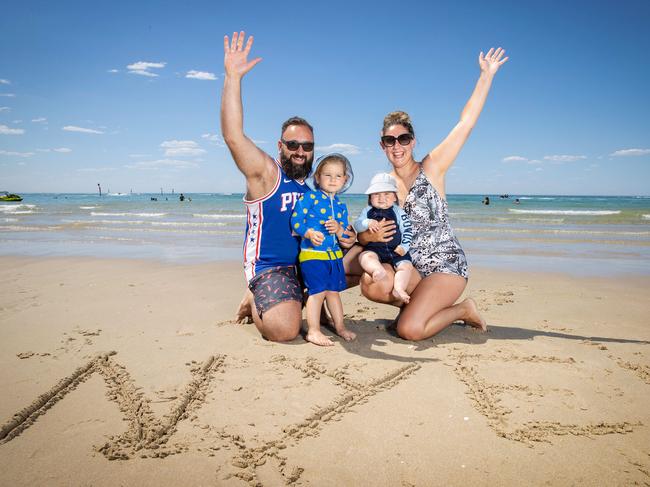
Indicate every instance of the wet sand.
{"type": "Point", "coordinates": [120, 372]}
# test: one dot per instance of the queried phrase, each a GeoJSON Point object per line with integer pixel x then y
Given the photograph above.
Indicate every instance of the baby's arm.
{"type": "Point", "coordinates": [364, 223]}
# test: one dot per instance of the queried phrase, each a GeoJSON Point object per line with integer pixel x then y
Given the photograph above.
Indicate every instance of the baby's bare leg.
{"type": "Point", "coordinates": [402, 276]}
{"type": "Point", "coordinates": [336, 309]}
{"type": "Point", "coordinates": [370, 263]}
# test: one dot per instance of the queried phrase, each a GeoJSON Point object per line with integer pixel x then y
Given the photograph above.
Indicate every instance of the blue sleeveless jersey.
{"type": "Point", "coordinates": [269, 241]}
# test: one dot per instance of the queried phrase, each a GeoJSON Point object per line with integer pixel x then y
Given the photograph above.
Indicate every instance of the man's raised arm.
{"type": "Point", "coordinates": [255, 164]}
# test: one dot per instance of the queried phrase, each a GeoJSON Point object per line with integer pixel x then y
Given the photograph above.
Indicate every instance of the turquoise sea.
{"type": "Point", "coordinates": [588, 235]}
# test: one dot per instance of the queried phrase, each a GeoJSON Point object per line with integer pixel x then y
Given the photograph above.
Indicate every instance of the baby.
{"type": "Point", "coordinates": [383, 205]}
{"type": "Point", "coordinates": [320, 218]}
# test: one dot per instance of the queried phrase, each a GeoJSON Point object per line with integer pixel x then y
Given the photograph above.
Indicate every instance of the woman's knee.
{"type": "Point", "coordinates": [410, 331]}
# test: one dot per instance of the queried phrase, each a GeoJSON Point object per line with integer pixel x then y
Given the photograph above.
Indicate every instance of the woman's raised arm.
{"type": "Point", "coordinates": [438, 161]}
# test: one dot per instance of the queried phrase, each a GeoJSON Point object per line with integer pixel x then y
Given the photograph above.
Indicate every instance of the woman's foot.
{"type": "Point", "coordinates": [472, 315]}
{"type": "Point", "coordinates": [317, 338]}
{"type": "Point", "coordinates": [346, 334]}
{"type": "Point", "coordinates": [401, 295]}
{"type": "Point", "coordinates": [379, 275]}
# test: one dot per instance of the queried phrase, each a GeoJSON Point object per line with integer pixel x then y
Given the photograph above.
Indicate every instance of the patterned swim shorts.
{"type": "Point", "coordinates": [273, 286]}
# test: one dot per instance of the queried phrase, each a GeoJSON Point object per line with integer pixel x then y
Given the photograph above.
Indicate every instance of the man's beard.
{"type": "Point", "coordinates": [296, 171]}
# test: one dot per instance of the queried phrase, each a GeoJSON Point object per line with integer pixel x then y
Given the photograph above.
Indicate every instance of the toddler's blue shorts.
{"type": "Point", "coordinates": [323, 275]}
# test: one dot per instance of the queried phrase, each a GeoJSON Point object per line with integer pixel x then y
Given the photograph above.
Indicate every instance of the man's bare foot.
{"type": "Point", "coordinates": [472, 315]}
{"type": "Point", "coordinates": [346, 334]}
{"type": "Point", "coordinates": [244, 312]}
{"type": "Point", "coordinates": [379, 275]}
{"type": "Point", "coordinates": [317, 338]}
{"type": "Point", "coordinates": [401, 295]}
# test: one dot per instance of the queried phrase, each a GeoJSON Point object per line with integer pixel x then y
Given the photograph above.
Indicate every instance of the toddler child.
{"type": "Point", "coordinates": [320, 218]}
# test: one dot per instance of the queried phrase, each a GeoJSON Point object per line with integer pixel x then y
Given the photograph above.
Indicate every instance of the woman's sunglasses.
{"type": "Point", "coordinates": [293, 145]}
{"type": "Point", "coordinates": [389, 140]}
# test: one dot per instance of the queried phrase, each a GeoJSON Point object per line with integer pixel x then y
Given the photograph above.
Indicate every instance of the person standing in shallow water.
{"type": "Point", "coordinates": [436, 252]}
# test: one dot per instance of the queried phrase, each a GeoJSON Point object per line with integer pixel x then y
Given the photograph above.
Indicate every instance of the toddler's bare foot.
{"type": "Point", "coordinates": [472, 315]}
{"type": "Point", "coordinates": [317, 338]}
{"type": "Point", "coordinates": [401, 295]}
{"type": "Point", "coordinates": [379, 274]}
{"type": "Point", "coordinates": [346, 334]}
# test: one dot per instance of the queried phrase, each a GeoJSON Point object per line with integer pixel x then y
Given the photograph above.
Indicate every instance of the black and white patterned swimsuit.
{"type": "Point", "coordinates": [434, 247]}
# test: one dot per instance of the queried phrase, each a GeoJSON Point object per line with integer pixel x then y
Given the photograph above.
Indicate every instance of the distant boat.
{"type": "Point", "coordinates": [4, 196]}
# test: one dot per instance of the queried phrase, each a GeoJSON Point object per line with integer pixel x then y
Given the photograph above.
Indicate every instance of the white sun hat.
{"type": "Point", "coordinates": [382, 183]}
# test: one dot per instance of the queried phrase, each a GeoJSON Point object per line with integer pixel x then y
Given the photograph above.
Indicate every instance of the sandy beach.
{"type": "Point", "coordinates": [123, 372]}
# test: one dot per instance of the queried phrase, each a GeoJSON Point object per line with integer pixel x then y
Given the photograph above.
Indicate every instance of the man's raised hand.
{"type": "Point", "coordinates": [235, 55]}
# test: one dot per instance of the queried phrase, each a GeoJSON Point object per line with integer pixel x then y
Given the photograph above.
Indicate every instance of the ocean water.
{"type": "Point", "coordinates": [592, 235]}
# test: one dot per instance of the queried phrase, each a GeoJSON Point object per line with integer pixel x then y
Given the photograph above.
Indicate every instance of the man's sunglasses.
{"type": "Point", "coordinates": [389, 140]}
{"type": "Point", "coordinates": [293, 145]}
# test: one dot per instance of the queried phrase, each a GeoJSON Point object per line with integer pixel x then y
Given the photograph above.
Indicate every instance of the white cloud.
{"type": "Point", "coordinates": [4, 130]}
{"type": "Point", "coordinates": [564, 158]}
{"type": "Point", "coordinates": [16, 154]}
{"type": "Point", "coordinates": [5, 82]}
{"type": "Point", "coordinates": [215, 139]}
{"type": "Point", "coordinates": [345, 149]}
{"type": "Point", "coordinates": [5, 109]}
{"type": "Point", "coordinates": [630, 152]}
{"type": "Point", "coordinates": [203, 75]}
{"type": "Point", "coordinates": [514, 159]}
{"type": "Point", "coordinates": [181, 148]}
{"type": "Point", "coordinates": [8, 95]}
{"type": "Point", "coordinates": [163, 164]}
{"type": "Point", "coordinates": [63, 150]}
{"type": "Point", "coordinates": [73, 128]}
{"type": "Point", "coordinates": [39, 120]}
{"type": "Point", "coordinates": [96, 169]}
{"type": "Point", "coordinates": [143, 68]}
{"type": "Point", "coordinates": [113, 71]}
{"type": "Point", "coordinates": [534, 161]}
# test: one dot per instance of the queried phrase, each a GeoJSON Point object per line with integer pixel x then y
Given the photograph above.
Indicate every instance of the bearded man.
{"type": "Point", "coordinates": [272, 189]}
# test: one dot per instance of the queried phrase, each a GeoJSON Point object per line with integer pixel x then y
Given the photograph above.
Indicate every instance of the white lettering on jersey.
{"type": "Point", "coordinates": [289, 199]}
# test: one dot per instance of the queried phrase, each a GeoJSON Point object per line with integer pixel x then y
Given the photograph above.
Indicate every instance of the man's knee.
{"type": "Point", "coordinates": [282, 322]}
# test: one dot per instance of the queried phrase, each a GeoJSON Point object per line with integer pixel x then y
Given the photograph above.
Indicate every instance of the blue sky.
{"type": "Point", "coordinates": [127, 94]}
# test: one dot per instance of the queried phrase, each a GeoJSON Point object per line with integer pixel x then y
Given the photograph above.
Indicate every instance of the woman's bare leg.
{"type": "Point", "coordinates": [336, 310]}
{"type": "Point", "coordinates": [382, 291]}
{"type": "Point", "coordinates": [370, 264]}
{"type": "Point", "coordinates": [314, 335]}
{"type": "Point", "coordinates": [353, 270]}
{"type": "Point", "coordinates": [432, 308]}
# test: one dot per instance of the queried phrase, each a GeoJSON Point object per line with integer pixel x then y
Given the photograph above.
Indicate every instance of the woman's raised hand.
{"type": "Point", "coordinates": [235, 55]}
{"type": "Point", "coordinates": [492, 61]}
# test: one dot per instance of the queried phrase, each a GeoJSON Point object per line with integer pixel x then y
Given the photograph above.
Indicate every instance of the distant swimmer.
{"type": "Point", "coordinates": [517, 201]}
{"type": "Point", "coordinates": [181, 197]}
{"type": "Point", "coordinates": [486, 200]}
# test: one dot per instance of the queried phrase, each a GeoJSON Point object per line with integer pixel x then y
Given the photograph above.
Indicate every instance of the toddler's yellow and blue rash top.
{"type": "Point", "coordinates": [312, 210]}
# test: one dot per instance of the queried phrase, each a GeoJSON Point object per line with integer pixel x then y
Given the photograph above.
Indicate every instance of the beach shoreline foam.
{"type": "Point", "coordinates": [131, 372]}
